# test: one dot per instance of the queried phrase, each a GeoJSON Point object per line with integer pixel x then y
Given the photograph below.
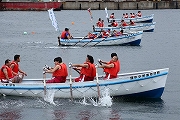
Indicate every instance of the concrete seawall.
{"type": "Point", "coordinates": [125, 5]}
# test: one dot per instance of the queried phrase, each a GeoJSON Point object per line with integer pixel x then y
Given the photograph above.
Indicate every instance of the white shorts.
{"type": "Point", "coordinates": [6, 81]}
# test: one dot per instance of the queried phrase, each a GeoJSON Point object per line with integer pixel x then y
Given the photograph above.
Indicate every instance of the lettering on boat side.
{"type": "Point", "coordinates": [144, 75]}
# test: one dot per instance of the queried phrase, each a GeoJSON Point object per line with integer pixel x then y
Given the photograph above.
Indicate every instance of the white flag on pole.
{"type": "Point", "coordinates": [106, 12]}
{"type": "Point", "coordinates": [53, 19]}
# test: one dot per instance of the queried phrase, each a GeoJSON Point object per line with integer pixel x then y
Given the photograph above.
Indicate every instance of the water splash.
{"type": "Point", "coordinates": [83, 101]}
{"type": "Point", "coordinates": [49, 97]}
{"type": "Point", "coordinates": [105, 100]}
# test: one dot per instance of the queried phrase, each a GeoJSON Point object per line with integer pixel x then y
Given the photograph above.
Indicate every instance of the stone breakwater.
{"type": "Point", "coordinates": [125, 5]}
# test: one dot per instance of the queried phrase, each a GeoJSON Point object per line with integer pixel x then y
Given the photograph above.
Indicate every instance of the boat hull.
{"type": "Point", "coordinates": [143, 19]}
{"type": "Point", "coordinates": [145, 84]}
{"type": "Point", "coordinates": [146, 27]}
{"type": "Point", "coordinates": [39, 6]}
{"type": "Point", "coordinates": [133, 38]}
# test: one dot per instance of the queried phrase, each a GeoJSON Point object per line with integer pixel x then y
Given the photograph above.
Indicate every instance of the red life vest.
{"type": "Point", "coordinates": [126, 16]}
{"type": "Point", "coordinates": [113, 71]}
{"type": "Point", "coordinates": [132, 16]}
{"type": "Point", "coordinates": [132, 23]}
{"type": "Point", "coordinates": [105, 34]}
{"type": "Point", "coordinates": [98, 23]}
{"type": "Point", "coordinates": [90, 71]}
{"type": "Point", "coordinates": [63, 35]}
{"type": "Point", "coordinates": [9, 71]}
{"type": "Point", "coordinates": [92, 36]}
{"type": "Point", "coordinates": [101, 24]}
{"type": "Point", "coordinates": [111, 16]}
{"type": "Point", "coordinates": [124, 24]}
{"type": "Point", "coordinates": [61, 72]}
{"type": "Point", "coordinates": [16, 67]}
{"type": "Point", "coordinates": [114, 24]}
{"type": "Point", "coordinates": [139, 14]}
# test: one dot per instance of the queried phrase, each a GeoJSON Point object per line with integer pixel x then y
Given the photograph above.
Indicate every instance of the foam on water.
{"type": "Point", "coordinates": [49, 97]}
{"type": "Point", "coordinates": [62, 47]}
{"type": "Point", "coordinates": [105, 100]}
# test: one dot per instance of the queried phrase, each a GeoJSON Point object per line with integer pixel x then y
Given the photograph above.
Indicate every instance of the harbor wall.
{"type": "Point", "coordinates": [125, 5]}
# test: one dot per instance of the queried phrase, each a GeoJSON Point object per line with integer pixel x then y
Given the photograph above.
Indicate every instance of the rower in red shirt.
{"type": "Point", "coordinates": [139, 14]}
{"type": "Point", "coordinates": [98, 24]}
{"type": "Point", "coordinates": [131, 23]}
{"type": "Point", "coordinates": [111, 68]}
{"type": "Point", "coordinates": [59, 72]}
{"type": "Point", "coordinates": [16, 69]}
{"type": "Point", "coordinates": [112, 16]}
{"type": "Point", "coordinates": [114, 24]}
{"type": "Point", "coordinates": [6, 73]}
{"type": "Point", "coordinates": [123, 23]}
{"type": "Point", "coordinates": [87, 70]}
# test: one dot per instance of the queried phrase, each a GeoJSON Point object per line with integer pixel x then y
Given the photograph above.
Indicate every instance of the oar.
{"type": "Point", "coordinates": [97, 81]}
{"type": "Point", "coordinates": [70, 66]}
{"type": "Point", "coordinates": [92, 40]}
{"type": "Point", "coordinates": [99, 42]}
{"type": "Point", "coordinates": [70, 78]}
{"type": "Point", "coordinates": [76, 70]}
{"type": "Point", "coordinates": [99, 61]}
{"type": "Point", "coordinates": [80, 40]}
{"type": "Point", "coordinates": [44, 80]}
{"type": "Point", "coordinates": [87, 42]}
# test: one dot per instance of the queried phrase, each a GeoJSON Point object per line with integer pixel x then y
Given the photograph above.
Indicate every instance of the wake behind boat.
{"type": "Point", "coordinates": [143, 19]}
{"type": "Point", "coordinates": [145, 84]}
{"type": "Point", "coordinates": [133, 38]}
{"type": "Point", "coordinates": [145, 27]}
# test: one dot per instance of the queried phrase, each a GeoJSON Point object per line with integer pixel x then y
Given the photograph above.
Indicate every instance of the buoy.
{"type": "Point", "coordinates": [72, 23]}
{"type": "Point", "coordinates": [25, 33]}
{"type": "Point", "coordinates": [33, 32]}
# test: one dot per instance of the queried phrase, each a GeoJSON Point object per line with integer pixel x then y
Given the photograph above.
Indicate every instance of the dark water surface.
{"type": "Point", "coordinates": [159, 49]}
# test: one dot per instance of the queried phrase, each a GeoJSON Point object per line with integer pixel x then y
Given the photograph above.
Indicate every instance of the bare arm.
{"type": "Point", "coordinates": [5, 73]}
{"type": "Point", "coordinates": [104, 62]}
{"type": "Point", "coordinates": [54, 69]}
{"type": "Point", "coordinates": [80, 65]}
{"type": "Point", "coordinates": [106, 66]}
{"type": "Point", "coordinates": [22, 72]}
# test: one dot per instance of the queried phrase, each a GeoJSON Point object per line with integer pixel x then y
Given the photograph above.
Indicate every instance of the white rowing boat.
{"type": "Point", "coordinates": [145, 27]}
{"type": "Point", "coordinates": [143, 19]}
{"type": "Point", "coordinates": [146, 84]}
{"type": "Point", "coordinates": [133, 38]}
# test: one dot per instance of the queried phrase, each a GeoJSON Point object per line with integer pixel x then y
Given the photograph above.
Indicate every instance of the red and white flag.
{"type": "Point", "coordinates": [89, 10]}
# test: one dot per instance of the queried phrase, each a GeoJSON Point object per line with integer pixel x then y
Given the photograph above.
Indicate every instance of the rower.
{"type": "Point", "coordinates": [87, 70]}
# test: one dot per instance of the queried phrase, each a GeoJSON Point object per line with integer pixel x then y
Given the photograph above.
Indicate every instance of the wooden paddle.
{"type": "Point", "coordinates": [44, 80]}
{"type": "Point", "coordinates": [70, 78]}
{"type": "Point", "coordinates": [97, 81]}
